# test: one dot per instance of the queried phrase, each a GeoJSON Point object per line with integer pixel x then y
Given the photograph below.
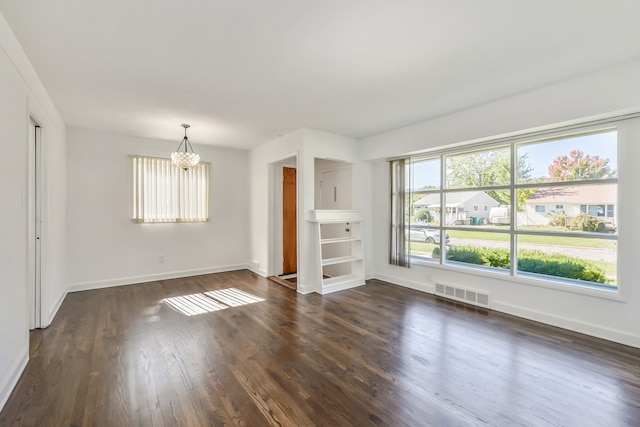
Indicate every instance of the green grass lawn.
{"type": "Point", "coordinates": [609, 269]}
{"type": "Point", "coordinates": [545, 240]}
{"type": "Point", "coordinates": [425, 249]}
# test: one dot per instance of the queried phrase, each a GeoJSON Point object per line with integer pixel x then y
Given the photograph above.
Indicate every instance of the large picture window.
{"type": "Point", "coordinates": [550, 208]}
{"type": "Point", "coordinates": [163, 192]}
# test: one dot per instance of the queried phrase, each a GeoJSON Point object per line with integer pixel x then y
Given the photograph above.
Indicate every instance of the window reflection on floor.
{"type": "Point", "coordinates": [208, 302]}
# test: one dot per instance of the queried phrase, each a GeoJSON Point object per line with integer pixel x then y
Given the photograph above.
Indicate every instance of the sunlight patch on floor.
{"type": "Point", "coordinates": [233, 297]}
{"type": "Point", "coordinates": [208, 302]}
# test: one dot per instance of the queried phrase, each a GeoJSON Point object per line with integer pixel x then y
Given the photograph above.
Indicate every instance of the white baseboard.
{"type": "Point", "coordinates": [342, 286]}
{"type": "Point", "coordinates": [586, 328]}
{"type": "Point", "coordinates": [258, 271]}
{"type": "Point", "coordinates": [304, 290]}
{"type": "Point", "coordinates": [9, 383]}
{"type": "Point", "coordinates": [54, 309]}
{"type": "Point", "coordinates": [152, 277]}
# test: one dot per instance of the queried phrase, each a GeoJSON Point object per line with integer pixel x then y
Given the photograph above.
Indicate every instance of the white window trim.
{"type": "Point", "coordinates": [170, 194]}
{"type": "Point", "coordinates": [611, 124]}
{"type": "Point", "coordinates": [542, 282]}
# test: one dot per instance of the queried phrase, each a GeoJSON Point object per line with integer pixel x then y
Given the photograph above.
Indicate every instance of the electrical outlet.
{"type": "Point", "coordinates": [161, 259]}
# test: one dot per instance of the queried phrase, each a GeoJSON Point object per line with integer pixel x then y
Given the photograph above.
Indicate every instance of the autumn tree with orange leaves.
{"type": "Point", "coordinates": [577, 166]}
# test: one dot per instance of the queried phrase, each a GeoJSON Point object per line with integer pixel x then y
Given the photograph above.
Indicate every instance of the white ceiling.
{"type": "Point", "coordinates": [242, 72]}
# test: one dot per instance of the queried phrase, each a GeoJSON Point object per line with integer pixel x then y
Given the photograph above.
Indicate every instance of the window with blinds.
{"type": "Point", "coordinates": [163, 192]}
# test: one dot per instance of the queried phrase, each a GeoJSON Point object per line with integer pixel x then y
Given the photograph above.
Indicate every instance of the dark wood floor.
{"type": "Point", "coordinates": [375, 355]}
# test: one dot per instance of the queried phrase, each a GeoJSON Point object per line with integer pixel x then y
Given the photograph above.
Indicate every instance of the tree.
{"type": "Point", "coordinates": [485, 169]}
{"type": "Point", "coordinates": [525, 194]}
{"type": "Point", "coordinates": [480, 169]}
{"type": "Point", "coordinates": [423, 215]}
{"type": "Point", "coordinates": [578, 166]}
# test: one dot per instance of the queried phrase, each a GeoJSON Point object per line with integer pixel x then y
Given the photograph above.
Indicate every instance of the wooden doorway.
{"type": "Point", "coordinates": [289, 222]}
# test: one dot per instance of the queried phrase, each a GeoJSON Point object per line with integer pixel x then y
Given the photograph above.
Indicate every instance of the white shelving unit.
{"type": "Point", "coordinates": [340, 260]}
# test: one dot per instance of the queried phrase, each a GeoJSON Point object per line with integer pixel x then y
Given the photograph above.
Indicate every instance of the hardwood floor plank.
{"type": "Point", "coordinates": [377, 355]}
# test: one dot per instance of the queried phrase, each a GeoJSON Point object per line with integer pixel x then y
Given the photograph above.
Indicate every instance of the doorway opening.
{"type": "Point", "coordinates": [289, 223]}
{"type": "Point", "coordinates": [34, 234]}
{"type": "Point", "coordinates": [285, 236]}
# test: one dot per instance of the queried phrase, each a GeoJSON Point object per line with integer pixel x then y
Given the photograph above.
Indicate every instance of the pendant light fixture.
{"type": "Point", "coordinates": [185, 159]}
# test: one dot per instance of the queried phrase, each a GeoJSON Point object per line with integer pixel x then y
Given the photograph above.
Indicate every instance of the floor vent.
{"type": "Point", "coordinates": [464, 295]}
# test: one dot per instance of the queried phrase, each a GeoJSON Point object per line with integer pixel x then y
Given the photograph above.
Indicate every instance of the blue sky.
{"type": "Point", "coordinates": [539, 156]}
{"type": "Point", "coordinates": [428, 174]}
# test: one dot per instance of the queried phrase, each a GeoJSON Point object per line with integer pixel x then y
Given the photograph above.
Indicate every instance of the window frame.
{"type": "Point", "coordinates": [588, 288]}
{"type": "Point", "coordinates": [187, 193]}
{"type": "Point", "coordinates": [610, 211]}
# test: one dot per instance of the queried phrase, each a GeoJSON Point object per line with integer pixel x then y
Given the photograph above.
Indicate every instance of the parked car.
{"type": "Point", "coordinates": [426, 235]}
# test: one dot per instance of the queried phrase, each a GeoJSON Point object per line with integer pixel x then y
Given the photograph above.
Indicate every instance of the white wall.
{"type": "Point", "coordinates": [23, 95]}
{"type": "Point", "coordinates": [105, 247]}
{"type": "Point", "coordinates": [595, 95]}
{"type": "Point", "coordinates": [307, 145]}
{"type": "Point", "coordinates": [591, 95]}
{"type": "Point", "coordinates": [323, 145]}
{"type": "Point", "coordinates": [261, 183]}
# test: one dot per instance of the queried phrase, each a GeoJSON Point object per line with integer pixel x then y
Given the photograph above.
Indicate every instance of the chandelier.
{"type": "Point", "coordinates": [185, 159]}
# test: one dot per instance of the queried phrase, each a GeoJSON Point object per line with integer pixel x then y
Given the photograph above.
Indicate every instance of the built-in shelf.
{"type": "Point", "coordinates": [340, 262]}
{"type": "Point", "coordinates": [335, 216]}
{"type": "Point", "coordinates": [332, 281]}
{"type": "Point", "coordinates": [339, 240]}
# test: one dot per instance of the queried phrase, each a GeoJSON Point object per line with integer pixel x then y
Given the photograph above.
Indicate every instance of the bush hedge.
{"type": "Point", "coordinates": [558, 220]}
{"type": "Point", "coordinates": [530, 261]}
{"type": "Point", "coordinates": [423, 215]}
{"type": "Point", "coordinates": [586, 222]}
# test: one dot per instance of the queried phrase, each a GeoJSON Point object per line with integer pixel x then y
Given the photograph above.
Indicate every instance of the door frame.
{"type": "Point", "coordinates": [35, 225]}
{"type": "Point", "coordinates": [276, 226]}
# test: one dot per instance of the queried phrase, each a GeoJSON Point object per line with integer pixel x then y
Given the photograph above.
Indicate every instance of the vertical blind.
{"type": "Point", "coordinates": [163, 192]}
{"type": "Point", "coordinates": [399, 252]}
